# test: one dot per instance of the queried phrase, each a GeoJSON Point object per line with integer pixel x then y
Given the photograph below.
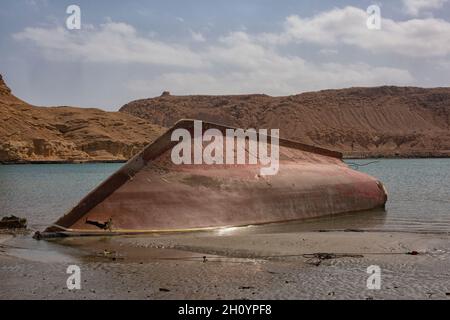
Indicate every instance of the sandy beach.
{"type": "Point", "coordinates": [229, 264]}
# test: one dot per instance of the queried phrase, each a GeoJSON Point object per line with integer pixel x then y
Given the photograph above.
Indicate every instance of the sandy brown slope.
{"type": "Point", "coordinates": [29, 133]}
{"type": "Point", "coordinates": [380, 121]}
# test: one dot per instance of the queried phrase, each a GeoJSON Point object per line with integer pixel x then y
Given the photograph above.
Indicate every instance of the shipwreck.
{"type": "Point", "coordinates": [152, 194]}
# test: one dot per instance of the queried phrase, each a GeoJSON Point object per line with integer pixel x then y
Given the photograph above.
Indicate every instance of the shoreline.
{"type": "Point", "coordinates": [353, 157]}
{"type": "Point", "coordinates": [59, 162]}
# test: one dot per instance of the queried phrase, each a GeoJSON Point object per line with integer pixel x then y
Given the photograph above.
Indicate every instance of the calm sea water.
{"type": "Point", "coordinates": [419, 195]}
{"type": "Point", "coordinates": [44, 192]}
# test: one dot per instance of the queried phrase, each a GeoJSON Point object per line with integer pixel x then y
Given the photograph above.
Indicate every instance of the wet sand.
{"type": "Point", "coordinates": [238, 265]}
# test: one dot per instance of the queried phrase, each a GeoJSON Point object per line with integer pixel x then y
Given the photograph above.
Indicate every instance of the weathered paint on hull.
{"type": "Point", "coordinates": [151, 194]}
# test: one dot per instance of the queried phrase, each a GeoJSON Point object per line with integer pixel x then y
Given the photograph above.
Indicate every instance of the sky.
{"type": "Point", "coordinates": [127, 50]}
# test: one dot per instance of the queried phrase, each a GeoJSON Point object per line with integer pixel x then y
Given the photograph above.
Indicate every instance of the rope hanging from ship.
{"type": "Point", "coordinates": [356, 166]}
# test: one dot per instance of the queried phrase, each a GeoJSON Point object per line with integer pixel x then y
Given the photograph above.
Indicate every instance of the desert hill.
{"type": "Point", "coordinates": [29, 133]}
{"type": "Point", "coordinates": [360, 122]}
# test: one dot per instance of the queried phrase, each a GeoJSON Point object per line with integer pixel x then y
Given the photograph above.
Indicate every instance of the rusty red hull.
{"type": "Point", "coordinates": [151, 194]}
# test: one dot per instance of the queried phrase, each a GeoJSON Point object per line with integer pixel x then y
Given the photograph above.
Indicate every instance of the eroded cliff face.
{"type": "Point", "coordinates": [360, 122]}
{"type": "Point", "coordinates": [30, 133]}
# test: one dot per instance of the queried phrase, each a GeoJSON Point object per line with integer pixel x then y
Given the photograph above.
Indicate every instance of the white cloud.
{"type": "Point", "coordinates": [415, 7]}
{"type": "Point", "coordinates": [119, 42]}
{"type": "Point", "coordinates": [37, 3]}
{"type": "Point", "coordinates": [414, 38]}
{"type": "Point", "coordinates": [197, 36]}
{"type": "Point", "coordinates": [241, 62]}
{"type": "Point", "coordinates": [328, 52]}
{"type": "Point", "coordinates": [111, 42]}
{"type": "Point", "coordinates": [284, 81]}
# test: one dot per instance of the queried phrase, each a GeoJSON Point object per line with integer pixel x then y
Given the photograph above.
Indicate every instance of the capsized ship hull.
{"type": "Point", "coordinates": [152, 194]}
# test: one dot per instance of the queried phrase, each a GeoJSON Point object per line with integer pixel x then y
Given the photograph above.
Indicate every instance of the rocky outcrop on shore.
{"type": "Point", "coordinates": [360, 122]}
{"type": "Point", "coordinates": [68, 134]}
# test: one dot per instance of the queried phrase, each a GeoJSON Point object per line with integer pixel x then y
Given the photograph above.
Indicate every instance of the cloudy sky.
{"type": "Point", "coordinates": [135, 49]}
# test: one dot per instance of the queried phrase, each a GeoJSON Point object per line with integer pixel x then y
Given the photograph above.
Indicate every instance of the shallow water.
{"type": "Point", "coordinates": [418, 189]}
{"type": "Point", "coordinates": [418, 192]}
{"type": "Point", "coordinates": [44, 192]}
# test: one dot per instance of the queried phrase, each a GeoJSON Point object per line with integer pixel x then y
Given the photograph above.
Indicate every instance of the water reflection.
{"type": "Point", "coordinates": [362, 220]}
